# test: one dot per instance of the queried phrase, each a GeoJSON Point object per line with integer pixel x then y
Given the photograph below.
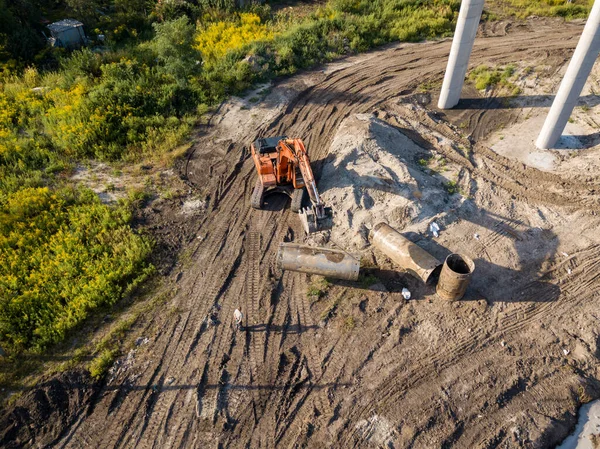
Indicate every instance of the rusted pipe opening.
{"type": "Point", "coordinates": [434, 277]}
{"type": "Point", "coordinates": [455, 277]}
{"type": "Point", "coordinates": [459, 265]}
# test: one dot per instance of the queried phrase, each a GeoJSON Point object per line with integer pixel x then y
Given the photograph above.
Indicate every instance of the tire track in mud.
{"type": "Point", "coordinates": [214, 241]}
{"type": "Point", "coordinates": [252, 391]}
{"type": "Point", "coordinates": [253, 317]}
{"type": "Point", "coordinates": [224, 309]}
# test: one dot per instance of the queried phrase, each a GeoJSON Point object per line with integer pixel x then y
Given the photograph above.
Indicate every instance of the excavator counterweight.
{"type": "Point", "coordinates": [283, 166]}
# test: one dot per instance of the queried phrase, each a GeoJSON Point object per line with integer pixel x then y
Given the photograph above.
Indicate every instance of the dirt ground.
{"type": "Point", "coordinates": [354, 364]}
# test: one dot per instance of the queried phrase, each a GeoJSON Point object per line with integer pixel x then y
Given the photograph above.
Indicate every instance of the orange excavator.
{"type": "Point", "coordinates": [283, 166]}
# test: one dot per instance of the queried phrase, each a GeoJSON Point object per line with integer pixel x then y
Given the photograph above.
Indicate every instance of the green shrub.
{"type": "Point", "coordinates": [367, 280]}
{"type": "Point", "coordinates": [451, 187]}
{"type": "Point", "coordinates": [318, 287]}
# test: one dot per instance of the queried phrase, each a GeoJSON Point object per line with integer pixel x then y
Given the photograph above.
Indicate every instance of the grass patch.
{"type": "Point", "coordinates": [366, 281]}
{"type": "Point", "coordinates": [485, 77]}
{"type": "Point", "coordinates": [349, 323]}
{"type": "Point", "coordinates": [577, 9]}
{"type": "Point", "coordinates": [101, 363]}
{"type": "Point", "coordinates": [451, 187]}
{"type": "Point", "coordinates": [317, 288]}
{"type": "Point", "coordinates": [465, 151]}
{"type": "Point", "coordinates": [429, 86]}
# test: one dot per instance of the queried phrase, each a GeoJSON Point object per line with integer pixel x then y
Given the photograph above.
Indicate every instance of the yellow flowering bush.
{"type": "Point", "coordinates": [218, 38]}
{"type": "Point", "coordinates": [68, 121]}
{"type": "Point", "coordinates": [63, 255]}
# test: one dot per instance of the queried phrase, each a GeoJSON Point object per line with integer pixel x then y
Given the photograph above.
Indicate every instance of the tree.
{"type": "Point", "coordinates": [21, 36]}
{"type": "Point", "coordinates": [173, 45]}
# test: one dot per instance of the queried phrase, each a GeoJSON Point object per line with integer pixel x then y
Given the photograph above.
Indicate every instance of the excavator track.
{"type": "Point", "coordinates": [297, 197]}
{"type": "Point", "coordinates": [257, 195]}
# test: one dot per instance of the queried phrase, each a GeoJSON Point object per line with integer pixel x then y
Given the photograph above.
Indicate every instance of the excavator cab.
{"type": "Point", "coordinates": [283, 166]}
{"type": "Point", "coordinates": [268, 145]}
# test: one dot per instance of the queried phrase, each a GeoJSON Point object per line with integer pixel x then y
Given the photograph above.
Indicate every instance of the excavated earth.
{"type": "Point", "coordinates": [354, 364]}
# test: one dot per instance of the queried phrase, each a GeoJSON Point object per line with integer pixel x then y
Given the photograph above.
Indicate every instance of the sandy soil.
{"type": "Point", "coordinates": [359, 366]}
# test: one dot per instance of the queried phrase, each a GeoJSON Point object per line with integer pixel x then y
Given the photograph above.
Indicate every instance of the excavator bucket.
{"type": "Point", "coordinates": [313, 223]}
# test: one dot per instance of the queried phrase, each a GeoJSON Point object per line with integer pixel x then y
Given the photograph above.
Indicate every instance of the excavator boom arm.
{"type": "Point", "coordinates": [295, 147]}
{"type": "Point", "coordinates": [307, 173]}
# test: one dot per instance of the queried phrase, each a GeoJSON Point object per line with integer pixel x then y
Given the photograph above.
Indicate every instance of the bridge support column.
{"type": "Point", "coordinates": [572, 84]}
{"type": "Point", "coordinates": [462, 44]}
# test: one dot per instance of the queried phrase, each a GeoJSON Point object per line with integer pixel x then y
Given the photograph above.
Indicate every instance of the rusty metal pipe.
{"type": "Point", "coordinates": [324, 261]}
{"type": "Point", "coordinates": [455, 277]}
{"type": "Point", "coordinates": [403, 252]}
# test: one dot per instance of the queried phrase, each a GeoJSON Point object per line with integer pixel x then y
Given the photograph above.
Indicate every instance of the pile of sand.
{"type": "Point", "coordinates": [372, 175]}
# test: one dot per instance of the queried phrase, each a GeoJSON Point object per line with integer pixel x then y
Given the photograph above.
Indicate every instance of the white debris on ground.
{"type": "Point", "coordinates": [141, 341]}
{"type": "Point", "coordinates": [191, 207]}
{"type": "Point", "coordinates": [121, 365]}
{"type": "Point", "coordinates": [376, 430]}
{"type": "Point", "coordinates": [372, 175]}
{"type": "Point", "coordinates": [434, 228]}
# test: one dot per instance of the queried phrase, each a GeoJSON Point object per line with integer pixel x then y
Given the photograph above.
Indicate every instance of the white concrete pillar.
{"type": "Point", "coordinates": [462, 44]}
{"type": "Point", "coordinates": [572, 84]}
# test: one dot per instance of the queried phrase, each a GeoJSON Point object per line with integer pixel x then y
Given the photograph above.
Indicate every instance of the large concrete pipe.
{"type": "Point", "coordinates": [403, 252]}
{"type": "Point", "coordinates": [572, 84]}
{"type": "Point", "coordinates": [324, 261]}
{"type": "Point", "coordinates": [462, 44]}
{"type": "Point", "coordinates": [455, 277]}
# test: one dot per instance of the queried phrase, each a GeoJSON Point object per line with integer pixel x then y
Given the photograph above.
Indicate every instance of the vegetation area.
{"type": "Point", "coordinates": [552, 8]}
{"type": "Point", "coordinates": [485, 77]}
{"type": "Point", "coordinates": [63, 253]}
{"type": "Point", "coordinates": [148, 72]}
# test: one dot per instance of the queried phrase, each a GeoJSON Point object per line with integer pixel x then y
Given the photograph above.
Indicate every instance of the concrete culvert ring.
{"type": "Point", "coordinates": [455, 277]}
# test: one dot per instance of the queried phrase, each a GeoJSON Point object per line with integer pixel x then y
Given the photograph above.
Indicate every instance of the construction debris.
{"type": "Point", "coordinates": [403, 252]}
{"type": "Point", "coordinates": [323, 261]}
{"type": "Point", "coordinates": [434, 228]}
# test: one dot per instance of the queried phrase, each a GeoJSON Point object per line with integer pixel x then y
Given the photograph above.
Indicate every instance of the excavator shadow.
{"type": "Point", "coordinates": [276, 201]}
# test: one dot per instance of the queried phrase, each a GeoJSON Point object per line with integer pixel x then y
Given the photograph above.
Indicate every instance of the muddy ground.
{"type": "Point", "coordinates": [353, 364]}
